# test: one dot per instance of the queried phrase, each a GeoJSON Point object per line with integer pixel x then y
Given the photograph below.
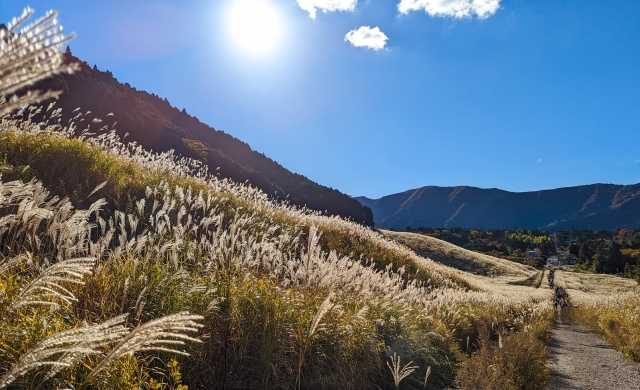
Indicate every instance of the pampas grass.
{"type": "Point", "coordinates": [28, 55]}
{"type": "Point", "coordinates": [66, 348]}
{"type": "Point", "coordinates": [400, 373]}
{"type": "Point", "coordinates": [163, 334]}
{"type": "Point", "coordinates": [48, 288]}
{"type": "Point", "coordinates": [284, 297]}
{"type": "Point", "coordinates": [199, 244]}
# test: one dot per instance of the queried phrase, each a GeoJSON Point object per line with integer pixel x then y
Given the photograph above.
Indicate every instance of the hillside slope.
{"type": "Point", "coordinates": [465, 260]}
{"type": "Point", "coordinates": [596, 207]}
{"type": "Point", "coordinates": [156, 125]}
{"type": "Point", "coordinates": [275, 288]}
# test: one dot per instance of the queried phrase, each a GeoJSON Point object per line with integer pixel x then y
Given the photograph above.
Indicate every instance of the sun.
{"type": "Point", "coordinates": [255, 25]}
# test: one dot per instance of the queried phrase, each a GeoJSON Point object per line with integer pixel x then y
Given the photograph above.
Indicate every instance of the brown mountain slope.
{"type": "Point", "coordinates": [596, 207]}
{"type": "Point", "coordinates": [155, 124]}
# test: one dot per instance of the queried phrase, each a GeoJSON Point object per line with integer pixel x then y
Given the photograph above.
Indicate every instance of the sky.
{"type": "Point", "coordinates": [375, 97]}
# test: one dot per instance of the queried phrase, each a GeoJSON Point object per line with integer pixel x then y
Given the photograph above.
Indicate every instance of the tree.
{"type": "Point", "coordinates": [585, 253]}
{"type": "Point", "coordinates": [615, 259]}
{"type": "Point", "coordinates": [574, 250]}
{"type": "Point", "coordinates": [544, 250]}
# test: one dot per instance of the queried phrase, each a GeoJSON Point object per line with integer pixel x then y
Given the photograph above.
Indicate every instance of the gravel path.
{"type": "Point", "coordinates": [582, 361]}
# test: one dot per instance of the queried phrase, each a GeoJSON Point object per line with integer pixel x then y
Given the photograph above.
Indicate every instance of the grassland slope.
{"type": "Point", "coordinates": [121, 268]}
{"type": "Point", "coordinates": [156, 125]}
{"type": "Point", "coordinates": [288, 298]}
{"type": "Point", "coordinates": [463, 259]}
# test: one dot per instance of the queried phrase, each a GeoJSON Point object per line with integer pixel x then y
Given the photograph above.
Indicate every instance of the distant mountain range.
{"type": "Point", "coordinates": [596, 207]}
{"type": "Point", "coordinates": [153, 123]}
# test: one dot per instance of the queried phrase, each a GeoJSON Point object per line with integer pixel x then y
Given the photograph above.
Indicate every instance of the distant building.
{"type": "Point", "coordinates": [562, 259]}
{"type": "Point", "coordinates": [567, 259]}
{"type": "Point", "coordinates": [533, 254]}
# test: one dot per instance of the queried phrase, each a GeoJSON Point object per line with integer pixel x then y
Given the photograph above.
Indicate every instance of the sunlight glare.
{"type": "Point", "coordinates": [255, 25]}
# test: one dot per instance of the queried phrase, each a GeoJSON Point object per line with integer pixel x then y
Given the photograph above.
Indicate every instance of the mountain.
{"type": "Point", "coordinates": [596, 207]}
{"type": "Point", "coordinates": [154, 124]}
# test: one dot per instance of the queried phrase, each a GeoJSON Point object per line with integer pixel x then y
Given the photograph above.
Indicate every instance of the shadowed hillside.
{"type": "Point", "coordinates": [155, 124]}
{"type": "Point", "coordinates": [596, 207]}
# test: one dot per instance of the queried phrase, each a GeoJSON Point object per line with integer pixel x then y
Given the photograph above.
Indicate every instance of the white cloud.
{"type": "Point", "coordinates": [452, 8]}
{"type": "Point", "coordinates": [539, 161]}
{"type": "Point", "coordinates": [368, 37]}
{"type": "Point", "coordinates": [311, 6]}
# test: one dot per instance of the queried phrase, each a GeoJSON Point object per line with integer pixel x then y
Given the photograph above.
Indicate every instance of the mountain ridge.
{"type": "Point", "coordinates": [156, 125]}
{"type": "Point", "coordinates": [594, 206]}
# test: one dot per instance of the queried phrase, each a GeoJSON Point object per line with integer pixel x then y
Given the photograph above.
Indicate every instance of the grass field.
{"type": "Point", "coordinates": [126, 269]}
{"type": "Point", "coordinates": [466, 260]}
{"type": "Point", "coordinates": [231, 289]}
{"type": "Point", "coordinates": [609, 305]}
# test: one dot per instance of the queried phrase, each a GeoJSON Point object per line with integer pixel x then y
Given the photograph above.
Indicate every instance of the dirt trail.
{"type": "Point", "coordinates": [580, 360]}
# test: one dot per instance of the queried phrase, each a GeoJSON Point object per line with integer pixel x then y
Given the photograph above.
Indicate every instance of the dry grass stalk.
{"type": "Point", "coordinates": [66, 348]}
{"type": "Point", "coordinates": [305, 342]}
{"type": "Point", "coordinates": [48, 288]}
{"type": "Point", "coordinates": [162, 334]}
{"type": "Point", "coordinates": [29, 55]}
{"type": "Point", "coordinates": [426, 377]}
{"type": "Point", "coordinates": [324, 308]}
{"type": "Point", "coordinates": [7, 264]}
{"type": "Point", "coordinates": [400, 373]}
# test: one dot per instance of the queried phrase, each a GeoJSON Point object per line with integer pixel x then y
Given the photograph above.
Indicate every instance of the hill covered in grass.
{"type": "Point", "coordinates": [122, 268]}
{"type": "Point", "coordinates": [459, 258]}
{"type": "Point", "coordinates": [160, 275]}
{"type": "Point", "coordinates": [595, 207]}
{"type": "Point", "coordinates": [156, 125]}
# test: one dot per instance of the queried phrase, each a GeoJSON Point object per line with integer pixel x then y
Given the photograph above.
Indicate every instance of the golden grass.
{"type": "Point", "coordinates": [466, 260]}
{"type": "Point", "coordinates": [290, 298]}
{"type": "Point", "coordinates": [584, 284]}
{"type": "Point", "coordinates": [609, 305]}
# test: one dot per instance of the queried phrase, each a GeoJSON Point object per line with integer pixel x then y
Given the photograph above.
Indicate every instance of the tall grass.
{"type": "Point", "coordinates": [280, 310]}
{"type": "Point", "coordinates": [28, 55]}
{"type": "Point", "coordinates": [121, 268]}
{"type": "Point", "coordinates": [257, 271]}
{"type": "Point", "coordinates": [608, 305]}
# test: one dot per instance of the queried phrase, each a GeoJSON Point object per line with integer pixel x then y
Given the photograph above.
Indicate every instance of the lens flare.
{"type": "Point", "coordinates": [255, 25]}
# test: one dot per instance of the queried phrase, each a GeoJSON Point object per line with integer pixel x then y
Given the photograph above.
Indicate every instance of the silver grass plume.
{"type": "Point", "coordinates": [66, 348]}
{"type": "Point", "coordinates": [9, 263]}
{"type": "Point", "coordinates": [162, 334]}
{"type": "Point", "coordinates": [399, 373]}
{"type": "Point", "coordinates": [31, 220]}
{"type": "Point", "coordinates": [49, 283]}
{"type": "Point", "coordinates": [324, 308]}
{"type": "Point", "coordinates": [426, 376]}
{"type": "Point", "coordinates": [98, 188]}
{"type": "Point", "coordinates": [30, 55]}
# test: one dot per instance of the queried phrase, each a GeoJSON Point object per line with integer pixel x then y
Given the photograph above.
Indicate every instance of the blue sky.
{"type": "Point", "coordinates": [520, 95]}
